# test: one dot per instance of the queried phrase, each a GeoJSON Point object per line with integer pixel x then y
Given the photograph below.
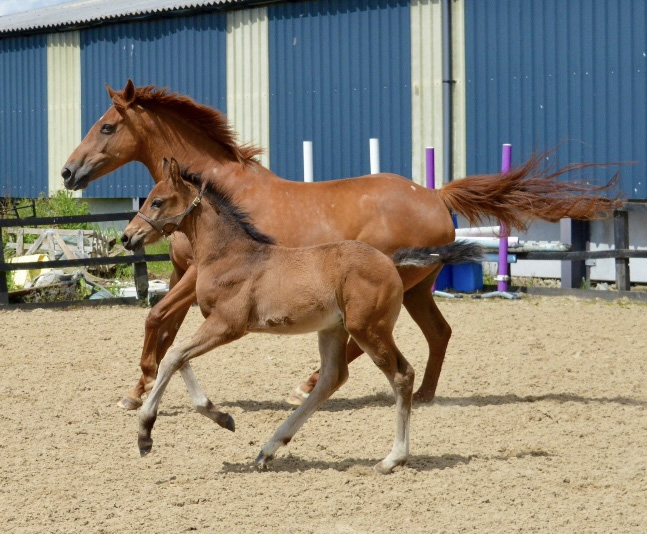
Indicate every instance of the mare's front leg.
{"type": "Point", "coordinates": [420, 304]}
{"type": "Point", "coordinates": [212, 333]}
{"type": "Point", "coordinates": [162, 325]}
{"type": "Point", "coordinates": [334, 372]}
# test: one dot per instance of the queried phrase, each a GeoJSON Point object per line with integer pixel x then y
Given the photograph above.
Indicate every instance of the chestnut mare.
{"type": "Point", "coordinates": [384, 210]}
{"type": "Point", "coordinates": [246, 284]}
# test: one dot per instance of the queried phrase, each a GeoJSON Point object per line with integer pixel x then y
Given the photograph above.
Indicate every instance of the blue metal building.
{"type": "Point", "coordinates": [535, 73]}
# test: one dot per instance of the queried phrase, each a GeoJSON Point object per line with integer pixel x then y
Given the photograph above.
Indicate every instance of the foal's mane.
{"type": "Point", "coordinates": [210, 122]}
{"type": "Point", "coordinates": [224, 203]}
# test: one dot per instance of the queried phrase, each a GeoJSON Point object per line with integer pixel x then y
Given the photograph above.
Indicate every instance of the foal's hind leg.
{"type": "Point", "coordinates": [420, 304]}
{"type": "Point", "coordinates": [301, 393]}
{"type": "Point", "coordinates": [162, 325]}
{"type": "Point", "coordinates": [334, 372]}
{"type": "Point", "coordinates": [381, 347]}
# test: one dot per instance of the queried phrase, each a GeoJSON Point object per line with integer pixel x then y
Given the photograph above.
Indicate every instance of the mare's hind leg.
{"type": "Point", "coordinates": [334, 372]}
{"type": "Point", "coordinates": [381, 347]}
{"type": "Point", "coordinates": [211, 334]}
{"type": "Point", "coordinates": [162, 325]}
{"type": "Point", "coordinates": [420, 304]}
{"type": "Point", "coordinates": [301, 393]}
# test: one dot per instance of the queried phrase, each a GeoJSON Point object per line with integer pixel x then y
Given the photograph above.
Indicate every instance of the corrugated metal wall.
{"type": "Point", "coordinates": [340, 74]}
{"type": "Point", "coordinates": [186, 54]}
{"type": "Point", "coordinates": [426, 87]}
{"type": "Point", "coordinates": [23, 116]}
{"type": "Point", "coordinates": [543, 72]}
{"type": "Point", "coordinates": [63, 102]}
{"type": "Point", "coordinates": [248, 91]}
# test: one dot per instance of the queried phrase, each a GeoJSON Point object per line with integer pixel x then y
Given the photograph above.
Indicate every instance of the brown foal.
{"type": "Point", "coordinates": [246, 284]}
{"type": "Point", "coordinates": [386, 211]}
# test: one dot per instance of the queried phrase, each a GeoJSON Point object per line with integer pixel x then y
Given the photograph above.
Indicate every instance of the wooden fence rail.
{"type": "Point", "coordinates": [138, 259]}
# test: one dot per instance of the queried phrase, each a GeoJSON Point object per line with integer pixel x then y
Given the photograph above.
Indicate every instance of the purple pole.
{"type": "Point", "coordinates": [502, 279]}
{"type": "Point", "coordinates": [431, 168]}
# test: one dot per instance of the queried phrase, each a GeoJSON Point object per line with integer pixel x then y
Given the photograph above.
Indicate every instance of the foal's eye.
{"type": "Point", "coordinates": [107, 128]}
{"type": "Point", "coordinates": [157, 203]}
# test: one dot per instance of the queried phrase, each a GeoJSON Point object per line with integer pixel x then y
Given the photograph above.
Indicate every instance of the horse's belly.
{"type": "Point", "coordinates": [296, 322]}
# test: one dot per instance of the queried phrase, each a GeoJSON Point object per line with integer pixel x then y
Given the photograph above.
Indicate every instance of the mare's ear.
{"type": "Point", "coordinates": [111, 91]}
{"type": "Point", "coordinates": [128, 94]}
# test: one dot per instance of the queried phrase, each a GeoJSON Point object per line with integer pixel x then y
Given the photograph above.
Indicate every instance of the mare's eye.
{"type": "Point", "coordinates": [157, 203]}
{"type": "Point", "coordinates": [107, 128]}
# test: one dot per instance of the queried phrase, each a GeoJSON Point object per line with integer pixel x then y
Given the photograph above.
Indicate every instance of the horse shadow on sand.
{"type": "Point", "coordinates": [364, 466]}
{"type": "Point", "coordinates": [340, 404]}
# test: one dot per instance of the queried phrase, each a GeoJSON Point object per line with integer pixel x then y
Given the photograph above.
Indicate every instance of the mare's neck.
{"type": "Point", "coordinates": [166, 136]}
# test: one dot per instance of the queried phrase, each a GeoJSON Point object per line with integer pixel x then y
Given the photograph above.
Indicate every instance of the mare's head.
{"type": "Point", "coordinates": [167, 205]}
{"type": "Point", "coordinates": [146, 124]}
{"type": "Point", "coordinates": [111, 142]}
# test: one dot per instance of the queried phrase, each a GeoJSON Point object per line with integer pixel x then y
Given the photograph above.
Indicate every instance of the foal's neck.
{"type": "Point", "coordinates": [217, 236]}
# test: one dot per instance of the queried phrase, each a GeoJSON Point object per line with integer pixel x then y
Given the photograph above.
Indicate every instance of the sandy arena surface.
{"type": "Point", "coordinates": [540, 424]}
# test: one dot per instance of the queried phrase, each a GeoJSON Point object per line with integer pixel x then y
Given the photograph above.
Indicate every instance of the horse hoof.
{"type": "Point", "coordinates": [297, 397]}
{"type": "Point", "coordinates": [420, 397]}
{"type": "Point", "coordinates": [262, 460]}
{"type": "Point", "coordinates": [229, 423]}
{"type": "Point", "coordinates": [381, 469]}
{"type": "Point", "coordinates": [384, 468]}
{"type": "Point", "coordinates": [143, 451]}
{"type": "Point", "coordinates": [128, 403]}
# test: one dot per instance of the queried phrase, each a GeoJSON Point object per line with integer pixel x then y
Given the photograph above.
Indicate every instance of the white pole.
{"type": "Point", "coordinates": [308, 173]}
{"type": "Point", "coordinates": [374, 150]}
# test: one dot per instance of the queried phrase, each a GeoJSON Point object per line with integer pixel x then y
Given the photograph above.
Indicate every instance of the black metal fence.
{"type": "Point", "coordinates": [621, 252]}
{"type": "Point", "coordinates": [137, 259]}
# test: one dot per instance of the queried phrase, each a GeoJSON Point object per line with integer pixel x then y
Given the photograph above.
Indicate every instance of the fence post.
{"type": "Point", "coordinates": [141, 276]}
{"type": "Point", "coordinates": [4, 288]}
{"type": "Point", "coordinates": [577, 234]}
{"type": "Point", "coordinates": [621, 241]}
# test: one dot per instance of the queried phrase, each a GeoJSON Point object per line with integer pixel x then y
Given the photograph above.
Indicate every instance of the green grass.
{"type": "Point", "coordinates": [161, 269]}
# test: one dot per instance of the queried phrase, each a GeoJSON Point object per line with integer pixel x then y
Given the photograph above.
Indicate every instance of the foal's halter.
{"type": "Point", "coordinates": [176, 220]}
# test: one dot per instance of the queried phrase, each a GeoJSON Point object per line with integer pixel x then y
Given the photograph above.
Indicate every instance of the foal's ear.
{"type": "Point", "coordinates": [174, 173]}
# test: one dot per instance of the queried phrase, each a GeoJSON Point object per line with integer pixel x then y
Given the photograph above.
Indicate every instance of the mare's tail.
{"type": "Point", "coordinates": [456, 252]}
{"type": "Point", "coordinates": [528, 192]}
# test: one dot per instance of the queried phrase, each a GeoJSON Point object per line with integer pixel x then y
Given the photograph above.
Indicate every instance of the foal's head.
{"type": "Point", "coordinates": [164, 210]}
{"type": "Point", "coordinates": [172, 199]}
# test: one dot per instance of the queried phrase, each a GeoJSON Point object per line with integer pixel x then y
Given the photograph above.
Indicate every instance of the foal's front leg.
{"type": "Point", "coordinates": [210, 335]}
{"type": "Point", "coordinates": [201, 402]}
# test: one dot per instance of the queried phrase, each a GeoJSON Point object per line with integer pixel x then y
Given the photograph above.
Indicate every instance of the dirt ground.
{"type": "Point", "coordinates": [540, 424]}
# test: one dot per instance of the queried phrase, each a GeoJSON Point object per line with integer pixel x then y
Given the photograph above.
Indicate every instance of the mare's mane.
{"type": "Point", "coordinates": [224, 203]}
{"type": "Point", "coordinates": [210, 122]}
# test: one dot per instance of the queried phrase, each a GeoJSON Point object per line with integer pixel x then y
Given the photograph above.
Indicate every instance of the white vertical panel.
{"type": "Point", "coordinates": [458, 95]}
{"type": "Point", "coordinates": [426, 86]}
{"type": "Point", "coordinates": [248, 100]}
{"type": "Point", "coordinates": [63, 102]}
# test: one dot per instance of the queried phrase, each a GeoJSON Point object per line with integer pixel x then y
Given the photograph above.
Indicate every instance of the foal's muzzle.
{"type": "Point", "coordinates": [131, 242]}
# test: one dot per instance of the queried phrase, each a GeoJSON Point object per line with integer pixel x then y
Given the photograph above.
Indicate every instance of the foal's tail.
{"type": "Point", "coordinates": [456, 252]}
{"type": "Point", "coordinates": [528, 192]}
